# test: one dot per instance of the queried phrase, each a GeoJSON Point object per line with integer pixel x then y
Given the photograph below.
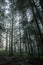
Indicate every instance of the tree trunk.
{"type": "Point", "coordinates": [7, 40]}
{"type": "Point", "coordinates": [12, 37]}
{"type": "Point", "coordinates": [9, 43]}
{"type": "Point", "coordinates": [20, 37]}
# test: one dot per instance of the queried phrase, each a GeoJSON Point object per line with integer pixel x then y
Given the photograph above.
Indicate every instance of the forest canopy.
{"type": "Point", "coordinates": [21, 27]}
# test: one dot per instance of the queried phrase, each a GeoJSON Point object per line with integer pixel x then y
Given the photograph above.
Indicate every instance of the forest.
{"type": "Point", "coordinates": [21, 32]}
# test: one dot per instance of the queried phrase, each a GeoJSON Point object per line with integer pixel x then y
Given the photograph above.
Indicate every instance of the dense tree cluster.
{"type": "Point", "coordinates": [21, 26]}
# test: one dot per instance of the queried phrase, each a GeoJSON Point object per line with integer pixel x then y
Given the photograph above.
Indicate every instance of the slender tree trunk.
{"type": "Point", "coordinates": [12, 37]}
{"type": "Point", "coordinates": [9, 43]}
{"type": "Point", "coordinates": [12, 8]}
{"type": "Point", "coordinates": [30, 44]}
{"type": "Point", "coordinates": [25, 39]}
{"type": "Point", "coordinates": [20, 37]}
{"type": "Point", "coordinates": [6, 40]}
{"type": "Point", "coordinates": [25, 47]}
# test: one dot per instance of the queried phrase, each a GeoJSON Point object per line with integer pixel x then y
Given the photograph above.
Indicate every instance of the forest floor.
{"type": "Point", "coordinates": [20, 60]}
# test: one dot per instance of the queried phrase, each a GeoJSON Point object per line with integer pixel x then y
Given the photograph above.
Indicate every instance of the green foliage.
{"type": "Point", "coordinates": [3, 52]}
{"type": "Point", "coordinates": [22, 4]}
